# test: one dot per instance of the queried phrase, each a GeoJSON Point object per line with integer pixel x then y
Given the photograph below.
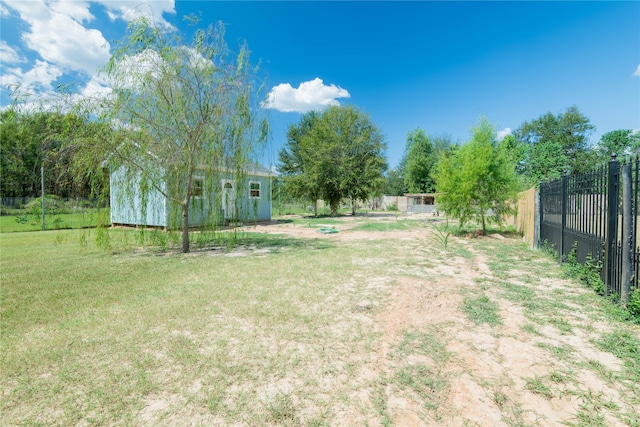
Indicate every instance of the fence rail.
{"type": "Point", "coordinates": [27, 213]}
{"type": "Point", "coordinates": [596, 214]}
{"type": "Point", "coordinates": [16, 205]}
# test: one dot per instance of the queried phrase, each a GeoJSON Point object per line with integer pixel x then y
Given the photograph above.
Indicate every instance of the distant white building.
{"type": "Point", "coordinates": [409, 202]}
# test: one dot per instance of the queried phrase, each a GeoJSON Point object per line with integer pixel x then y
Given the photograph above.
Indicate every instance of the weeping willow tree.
{"type": "Point", "coordinates": [187, 118]}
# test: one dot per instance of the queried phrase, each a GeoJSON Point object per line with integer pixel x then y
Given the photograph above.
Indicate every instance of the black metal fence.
{"type": "Point", "coordinates": [597, 215]}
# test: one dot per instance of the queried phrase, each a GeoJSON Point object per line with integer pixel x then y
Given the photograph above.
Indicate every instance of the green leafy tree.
{"type": "Point", "coordinates": [336, 154]}
{"type": "Point", "coordinates": [358, 155]}
{"type": "Point", "coordinates": [394, 180]}
{"type": "Point", "coordinates": [420, 160]}
{"type": "Point", "coordinates": [19, 157]}
{"type": "Point", "coordinates": [478, 180]}
{"type": "Point", "coordinates": [555, 145]}
{"type": "Point", "coordinates": [184, 108]}
{"type": "Point", "coordinates": [621, 142]}
{"type": "Point", "coordinates": [299, 164]}
{"type": "Point", "coordinates": [421, 157]}
{"type": "Point", "coordinates": [516, 151]}
{"type": "Point", "coordinates": [31, 140]}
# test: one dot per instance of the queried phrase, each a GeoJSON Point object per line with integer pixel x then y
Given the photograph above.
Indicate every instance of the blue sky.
{"type": "Point", "coordinates": [434, 65]}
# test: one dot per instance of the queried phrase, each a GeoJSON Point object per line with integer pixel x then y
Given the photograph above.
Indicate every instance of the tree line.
{"type": "Point", "coordinates": [55, 142]}
{"type": "Point", "coordinates": [541, 150]}
{"type": "Point", "coordinates": [338, 155]}
{"type": "Point", "coordinates": [335, 155]}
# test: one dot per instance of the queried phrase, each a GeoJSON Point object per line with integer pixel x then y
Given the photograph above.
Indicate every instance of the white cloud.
{"type": "Point", "coordinates": [4, 11]}
{"type": "Point", "coordinates": [311, 95]}
{"type": "Point", "coordinates": [95, 88]}
{"type": "Point", "coordinates": [196, 59]}
{"type": "Point", "coordinates": [9, 54]}
{"type": "Point", "coordinates": [637, 72]}
{"type": "Point", "coordinates": [128, 10]}
{"type": "Point", "coordinates": [39, 78]}
{"type": "Point", "coordinates": [59, 32]}
{"type": "Point", "coordinates": [57, 35]}
{"type": "Point", "coordinates": [75, 9]}
{"type": "Point", "coordinates": [502, 133]}
{"type": "Point", "coordinates": [132, 71]}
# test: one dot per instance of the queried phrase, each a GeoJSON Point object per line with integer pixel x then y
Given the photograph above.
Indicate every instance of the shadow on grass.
{"type": "Point", "coordinates": [282, 221]}
{"type": "Point", "coordinates": [244, 243]}
{"type": "Point", "coordinates": [385, 226]}
{"type": "Point", "coordinates": [261, 240]}
{"type": "Point", "coordinates": [341, 217]}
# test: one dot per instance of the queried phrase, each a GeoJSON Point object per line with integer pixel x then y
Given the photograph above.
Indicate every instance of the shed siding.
{"type": "Point", "coordinates": [126, 202]}
{"type": "Point", "coordinates": [126, 205]}
{"type": "Point", "coordinates": [256, 209]}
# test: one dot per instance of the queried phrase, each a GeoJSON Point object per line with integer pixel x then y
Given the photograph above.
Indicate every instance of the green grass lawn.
{"type": "Point", "coordinates": [275, 330]}
{"type": "Point", "coordinates": [98, 337]}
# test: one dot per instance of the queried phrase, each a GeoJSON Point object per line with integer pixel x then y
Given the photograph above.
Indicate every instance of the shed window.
{"type": "Point", "coordinates": [197, 187]}
{"type": "Point", "coordinates": [254, 189]}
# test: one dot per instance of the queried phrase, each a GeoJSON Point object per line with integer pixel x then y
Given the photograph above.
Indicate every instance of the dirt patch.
{"type": "Point", "coordinates": [493, 375]}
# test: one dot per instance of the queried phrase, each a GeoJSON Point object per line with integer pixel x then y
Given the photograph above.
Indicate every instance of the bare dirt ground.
{"type": "Point", "coordinates": [540, 364]}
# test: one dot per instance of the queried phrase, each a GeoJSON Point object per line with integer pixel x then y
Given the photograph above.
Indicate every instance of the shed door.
{"type": "Point", "coordinates": [228, 199]}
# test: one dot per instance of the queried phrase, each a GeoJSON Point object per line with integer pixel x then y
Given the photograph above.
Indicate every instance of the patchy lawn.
{"type": "Point", "coordinates": [378, 324]}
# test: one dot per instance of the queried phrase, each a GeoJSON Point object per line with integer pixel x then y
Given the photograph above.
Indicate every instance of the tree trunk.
{"type": "Point", "coordinates": [185, 228]}
{"type": "Point", "coordinates": [353, 207]}
{"type": "Point", "coordinates": [315, 207]}
{"type": "Point", "coordinates": [334, 207]}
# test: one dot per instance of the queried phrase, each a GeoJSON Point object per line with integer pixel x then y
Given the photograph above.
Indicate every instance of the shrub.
{"type": "Point", "coordinates": [587, 273]}
{"type": "Point", "coordinates": [633, 305]}
{"type": "Point", "coordinates": [53, 205]}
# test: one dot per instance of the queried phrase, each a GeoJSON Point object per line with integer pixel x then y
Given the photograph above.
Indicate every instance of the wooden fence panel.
{"type": "Point", "coordinates": [524, 219]}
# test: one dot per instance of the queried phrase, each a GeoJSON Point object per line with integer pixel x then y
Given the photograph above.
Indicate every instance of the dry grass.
{"type": "Point", "coordinates": [364, 327]}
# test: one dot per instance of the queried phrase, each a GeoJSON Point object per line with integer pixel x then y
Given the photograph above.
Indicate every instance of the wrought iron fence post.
{"type": "Point", "coordinates": [612, 220]}
{"type": "Point", "coordinates": [536, 221]}
{"type": "Point", "coordinates": [627, 235]}
{"type": "Point", "coordinates": [563, 218]}
{"type": "Point", "coordinates": [541, 209]}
